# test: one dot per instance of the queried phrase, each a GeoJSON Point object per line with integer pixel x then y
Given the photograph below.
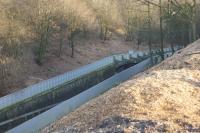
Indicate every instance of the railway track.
{"type": "Point", "coordinates": [16, 113]}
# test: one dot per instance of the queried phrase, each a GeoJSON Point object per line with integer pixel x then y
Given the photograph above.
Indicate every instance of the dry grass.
{"type": "Point", "coordinates": [168, 93]}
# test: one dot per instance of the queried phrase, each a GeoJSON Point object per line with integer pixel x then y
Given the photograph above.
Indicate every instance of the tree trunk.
{"type": "Point", "coordinates": [61, 43]}
{"type": "Point", "coordinates": [149, 32]}
{"type": "Point", "coordinates": [40, 50]}
{"type": "Point", "coordinates": [161, 30]}
{"type": "Point", "coordinates": [138, 43]}
{"type": "Point", "coordinates": [72, 46]}
{"type": "Point", "coordinates": [190, 34]}
{"type": "Point", "coordinates": [105, 34]}
{"type": "Point", "coordinates": [194, 32]}
{"type": "Point", "coordinates": [169, 28]}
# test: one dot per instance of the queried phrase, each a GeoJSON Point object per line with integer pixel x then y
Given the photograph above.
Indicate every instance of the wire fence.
{"type": "Point", "coordinates": [69, 76]}
{"type": "Point", "coordinates": [62, 79]}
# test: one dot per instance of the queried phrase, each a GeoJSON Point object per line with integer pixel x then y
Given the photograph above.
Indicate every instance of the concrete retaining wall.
{"type": "Point", "coordinates": [46, 118]}
{"type": "Point", "coordinates": [53, 96]}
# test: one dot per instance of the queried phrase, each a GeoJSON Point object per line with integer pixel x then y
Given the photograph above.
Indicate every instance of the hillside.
{"type": "Point", "coordinates": [165, 98]}
{"type": "Point", "coordinates": [35, 33]}
{"type": "Point", "coordinates": [87, 50]}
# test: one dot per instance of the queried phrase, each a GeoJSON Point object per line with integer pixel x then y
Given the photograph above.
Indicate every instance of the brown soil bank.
{"type": "Point", "coordinates": [163, 99]}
